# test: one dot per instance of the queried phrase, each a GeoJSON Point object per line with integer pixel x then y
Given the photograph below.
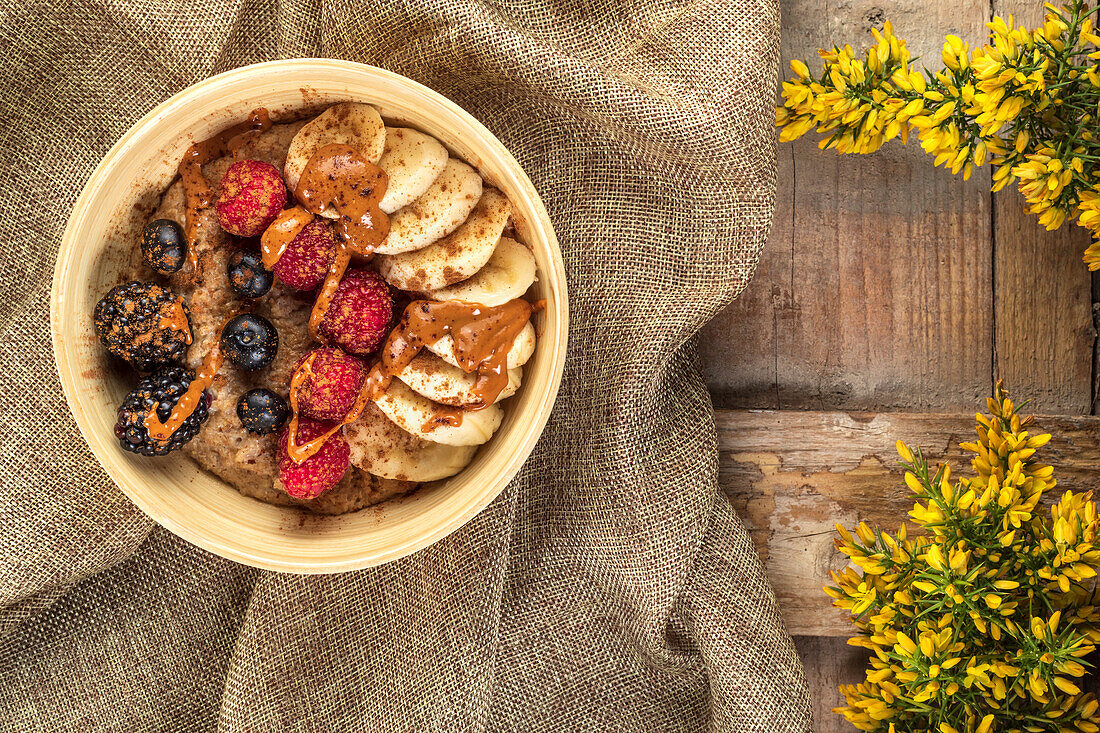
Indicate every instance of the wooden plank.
{"type": "Point", "coordinates": [1043, 320]}
{"type": "Point", "coordinates": [875, 288]}
{"type": "Point", "coordinates": [829, 663]}
{"type": "Point", "coordinates": [793, 475]}
{"type": "Point", "coordinates": [1043, 316]}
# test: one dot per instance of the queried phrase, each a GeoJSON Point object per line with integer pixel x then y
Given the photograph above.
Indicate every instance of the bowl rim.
{"type": "Point", "coordinates": [67, 369]}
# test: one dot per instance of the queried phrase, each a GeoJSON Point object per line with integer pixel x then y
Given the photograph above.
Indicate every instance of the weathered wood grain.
{"type": "Point", "coordinates": [829, 663]}
{"type": "Point", "coordinates": [1043, 323]}
{"type": "Point", "coordinates": [886, 284]}
{"type": "Point", "coordinates": [793, 475]}
{"type": "Point", "coordinates": [875, 288]}
{"type": "Point", "coordinates": [1043, 318]}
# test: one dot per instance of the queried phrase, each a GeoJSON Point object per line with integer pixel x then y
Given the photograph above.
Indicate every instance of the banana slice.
{"type": "Point", "coordinates": [521, 350]}
{"type": "Point", "coordinates": [413, 161]}
{"type": "Point", "coordinates": [457, 256]}
{"type": "Point", "coordinates": [431, 377]}
{"type": "Point", "coordinates": [415, 414]}
{"type": "Point", "coordinates": [381, 448]}
{"type": "Point", "coordinates": [438, 211]}
{"type": "Point", "coordinates": [507, 275]}
{"type": "Point", "coordinates": [348, 123]}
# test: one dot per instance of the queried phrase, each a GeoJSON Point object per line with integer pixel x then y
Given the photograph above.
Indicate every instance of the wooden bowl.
{"type": "Point", "coordinates": [102, 230]}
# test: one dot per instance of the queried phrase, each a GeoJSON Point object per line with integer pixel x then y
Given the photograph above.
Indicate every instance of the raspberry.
{"type": "Point", "coordinates": [333, 385]}
{"type": "Point", "coordinates": [144, 324]}
{"type": "Point", "coordinates": [360, 313]}
{"type": "Point", "coordinates": [308, 257]}
{"type": "Point", "coordinates": [164, 390]}
{"type": "Point", "coordinates": [252, 195]}
{"type": "Point", "coordinates": [321, 471]}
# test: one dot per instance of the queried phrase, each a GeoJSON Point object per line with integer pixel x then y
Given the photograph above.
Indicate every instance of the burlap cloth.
{"type": "Point", "coordinates": [610, 587]}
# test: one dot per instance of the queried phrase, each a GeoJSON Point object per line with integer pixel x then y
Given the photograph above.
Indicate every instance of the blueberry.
{"type": "Point", "coordinates": [262, 411]}
{"type": "Point", "coordinates": [250, 342]}
{"type": "Point", "coordinates": [162, 246]}
{"type": "Point", "coordinates": [247, 275]}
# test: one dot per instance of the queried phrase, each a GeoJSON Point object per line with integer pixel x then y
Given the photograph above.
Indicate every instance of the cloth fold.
{"type": "Point", "coordinates": [611, 586]}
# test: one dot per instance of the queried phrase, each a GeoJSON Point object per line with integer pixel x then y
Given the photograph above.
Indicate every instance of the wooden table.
{"type": "Point", "coordinates": [888, 300]}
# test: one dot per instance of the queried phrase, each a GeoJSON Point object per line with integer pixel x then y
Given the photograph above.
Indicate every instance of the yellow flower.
{"type": "Point", "coordinates": [1024, 101]}
{"type": "Point", "coordinates": [1066, 686]}
{"type": "Point", "coordinates": [934, 558]}
{"type": "Point", "coordinates": [951, 615]}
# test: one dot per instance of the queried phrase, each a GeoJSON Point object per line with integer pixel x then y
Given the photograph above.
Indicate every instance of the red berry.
{"type": "Point", "coordinates": [360, 312]}
{"type": "Point", "coordinates": [321, 471]}
{"type": "Point", "coordinates": [252, 195]}
{"type": "Point", "coordinates": [334, 382]}
{"type": "Point", "coordinates": [308, 257]}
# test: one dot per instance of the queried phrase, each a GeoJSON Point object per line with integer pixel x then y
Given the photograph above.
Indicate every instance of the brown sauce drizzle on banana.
{"type": "Point", "coordinates": [197, 191]}
{"type": "Point", "coordinates": [337, 178]}
{"type": "Point", "coordinates": [483, 337]}
{"type": "Point", "coordinates": [443, 415]}
{"type": "Point", "coordinates": [187, 403]}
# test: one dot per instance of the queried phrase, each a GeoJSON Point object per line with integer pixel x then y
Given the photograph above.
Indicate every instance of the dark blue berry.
{"type": "Point", "coordinates": [262, 411]}
{"type": "Point", "coordinates": [163, 246]}
{"type": "Point", "coordinates": [250, 342]}
{"type": "Point", "coordinates": [247, 275]}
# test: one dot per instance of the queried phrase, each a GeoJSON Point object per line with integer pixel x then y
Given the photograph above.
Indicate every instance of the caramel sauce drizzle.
{"type": "Point", "coordinates": [197, 191]}
{"type": "Point", "coordinates": [199, 195]}
{"type": "Point", "coordinates": [187, 403]}
{"type": "Point", "coordinates": [483, 337]}
{"type": "Point", "coordinates": [176, 319]}
{"type": "Point", "coordinates": [443, 415]}
{"type": "Point", "coordinates": [299, 452]}
{"type": "Point", "coordinates": [328, 289]}
{"type": "Point", "coordinates": [338, 178]}
{"type": "Point", "coordinates": [281, 232]}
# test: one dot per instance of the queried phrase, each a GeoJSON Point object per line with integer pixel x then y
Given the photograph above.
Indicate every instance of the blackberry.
{"type": "Point", "coordinates": [162, 390]}
{"type": "Point", "coordinates": [144, 324]}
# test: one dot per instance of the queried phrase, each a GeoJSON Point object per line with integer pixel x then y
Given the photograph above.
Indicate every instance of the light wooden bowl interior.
{"type": "Point", "coordinates": [174, 491]}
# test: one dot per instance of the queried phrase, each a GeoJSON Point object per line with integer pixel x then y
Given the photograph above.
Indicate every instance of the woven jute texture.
{"type": "Point", "coordinates": [611, 587]}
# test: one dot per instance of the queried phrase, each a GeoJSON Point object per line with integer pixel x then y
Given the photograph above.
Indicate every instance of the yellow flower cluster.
{"type": "Point", "coordinates": [981, 622]}
{"type": "Point", "coordinates": [1026, 102]}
